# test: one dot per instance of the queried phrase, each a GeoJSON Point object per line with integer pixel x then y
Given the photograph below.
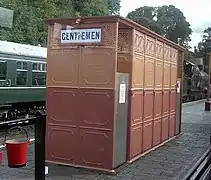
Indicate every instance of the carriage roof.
{"type": "Point", "coordinates": [22, 49]}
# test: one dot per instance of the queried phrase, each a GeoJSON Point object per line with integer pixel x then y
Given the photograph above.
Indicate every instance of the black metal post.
{"type": "Point", "coordinates": [40, 126]}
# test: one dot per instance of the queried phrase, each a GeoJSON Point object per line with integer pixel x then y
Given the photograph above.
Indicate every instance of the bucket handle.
{"type": "Point", "coordinates": [16, 127]}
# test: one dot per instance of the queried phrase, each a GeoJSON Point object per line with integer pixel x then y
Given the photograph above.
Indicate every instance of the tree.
{"type": "Point", "coordinates": [96, 7]}
{"type": "Point", "coordinates": [114, 6]}
{"type": "Point", "coordinates": [28, 25]}
{"type": "Point", "coordinates": [146, 16]}
{"type": "Point", "coordinates": [91, 7]}
{"type": "Point", "coordinates": [167, 21]}
{"type": "Point", "coordinates": [200, 50]}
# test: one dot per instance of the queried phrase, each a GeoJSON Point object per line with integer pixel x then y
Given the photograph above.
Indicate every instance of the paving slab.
{"type": "Point", "coordinates": [169, 162]}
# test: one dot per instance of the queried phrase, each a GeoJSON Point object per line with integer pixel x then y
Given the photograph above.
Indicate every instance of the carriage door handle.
{"type": "Point", "coordinates": [8, 82]}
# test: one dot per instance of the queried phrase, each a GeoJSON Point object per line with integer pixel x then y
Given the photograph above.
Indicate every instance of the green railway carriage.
{"type": "Point", "coordinates": [22, 79]}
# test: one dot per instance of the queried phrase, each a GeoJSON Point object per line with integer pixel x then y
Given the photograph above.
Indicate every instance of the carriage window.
{"type": "Point", "coordinates": [21, 78]}
{"type": "Point", "coordinates": [21, 68]}
{"type": "Point", "coordinates": [38, 78]}
{"type": "Point", "coordinates": [21, 65]}
{"type": "Point", "coordinates": [39, 74]}
{"type": "Point", "coordinates": [3, 70]}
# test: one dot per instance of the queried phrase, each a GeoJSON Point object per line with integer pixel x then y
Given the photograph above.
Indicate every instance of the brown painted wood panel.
{"type": "Point", "coordinates": [61, 106]}
{"type": "Point", "coordinates": [63, 67]}
{"type": "Point", "coordinates": [174, 56]}
{"type": "Point", "coordinates": [158, 75]}
{"type": "Point", "coordinates": [125, 41]}
{"type": "Point", "coordinates": [148, 105]}
{"type": "Point", "coordinates": [97, 68]}
{"type": "Point", "coordinates": [109, 34]}
{"type": "Point", "coordinates": [173, 75]}
{"type": "Point", "coordinates": [137, 103]}
{"type": "Point", "coordinates": [135, 141]}
{"type": "Point", "coordinates": [63, 152]}
{"type": "Point", "coordinates": [166, 75]}
{"type": "Point", "coordinates": [149, 73]}
{"type": "Point", "coordinates": [96, 108]}
{"type": "Point", "coordinates": [158, 99]}
{"type": "Point", "coordinates": [159, 50]}
{"type": "Point", "coordinates": [165, 128]}
{"type": "Point", "coordinates": [173, 97]}
{"type": "Point", "coordinates": [167, 53]}
{"type": "Point", "coordinates": [124, 63]}
{"type": "Point", "coordinates": [95, 148]}
{"type": "Point", "coordinates": [157, 131]}
{"type": "Point", "coordinates": [165, 106]}
{"type": "Point", "coordinates": [150, 46]}
{"type": "Point", "coordinates": [172, 125]}
{"type": "Point", "coordinates": [138, 72]}
{"type": "Point", "coordinates": [147, 135]}
{"type": "Point", "coordinates": [139, 42]}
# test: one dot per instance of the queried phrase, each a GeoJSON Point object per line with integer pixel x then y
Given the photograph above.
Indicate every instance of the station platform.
{"type": "Point", "coordinates": [168, 162]}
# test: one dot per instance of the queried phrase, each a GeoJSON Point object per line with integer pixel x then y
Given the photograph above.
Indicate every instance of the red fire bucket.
{"type": "Point", "coordinates": [17, 151]}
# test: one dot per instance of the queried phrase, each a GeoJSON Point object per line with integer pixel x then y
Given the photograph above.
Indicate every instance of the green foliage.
{"type": "Point", "coordinates": [114, 6]}
{"type": "Point", "coordinates": [94, 8]}
{"type": "Point", "coordinates": [201, 49]}
{"type": "Point", "coordinates": [28, 25]}
{"type": "Point", "coordinates": [167, 21]}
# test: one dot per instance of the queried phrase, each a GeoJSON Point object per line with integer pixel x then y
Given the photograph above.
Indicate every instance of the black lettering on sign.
{"type": "Point", "coordinates": [83, 35]}
{"type": "Point", "coordinates": [88, 35]}
{"type": "Point", "coordinates": [63, 36]}
{"type": "Point", "coordinates": [71, 36]}
{"type": "Point", "coordinates": [93, 35]}
{"type": "Point", "coordinates": [97, 35]}
{"type": "Point", "coordinates": [67, 36]}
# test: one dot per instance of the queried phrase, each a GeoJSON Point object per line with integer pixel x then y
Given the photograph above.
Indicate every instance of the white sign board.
{"type": "Point", "coordinates": [81, 36]}
{"type": "Point", "coordinates": [178, 86]}
{"type": "Point", "coordinates": [122, 93]}
{"type": "Point", "coordinates": [6, 17]}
